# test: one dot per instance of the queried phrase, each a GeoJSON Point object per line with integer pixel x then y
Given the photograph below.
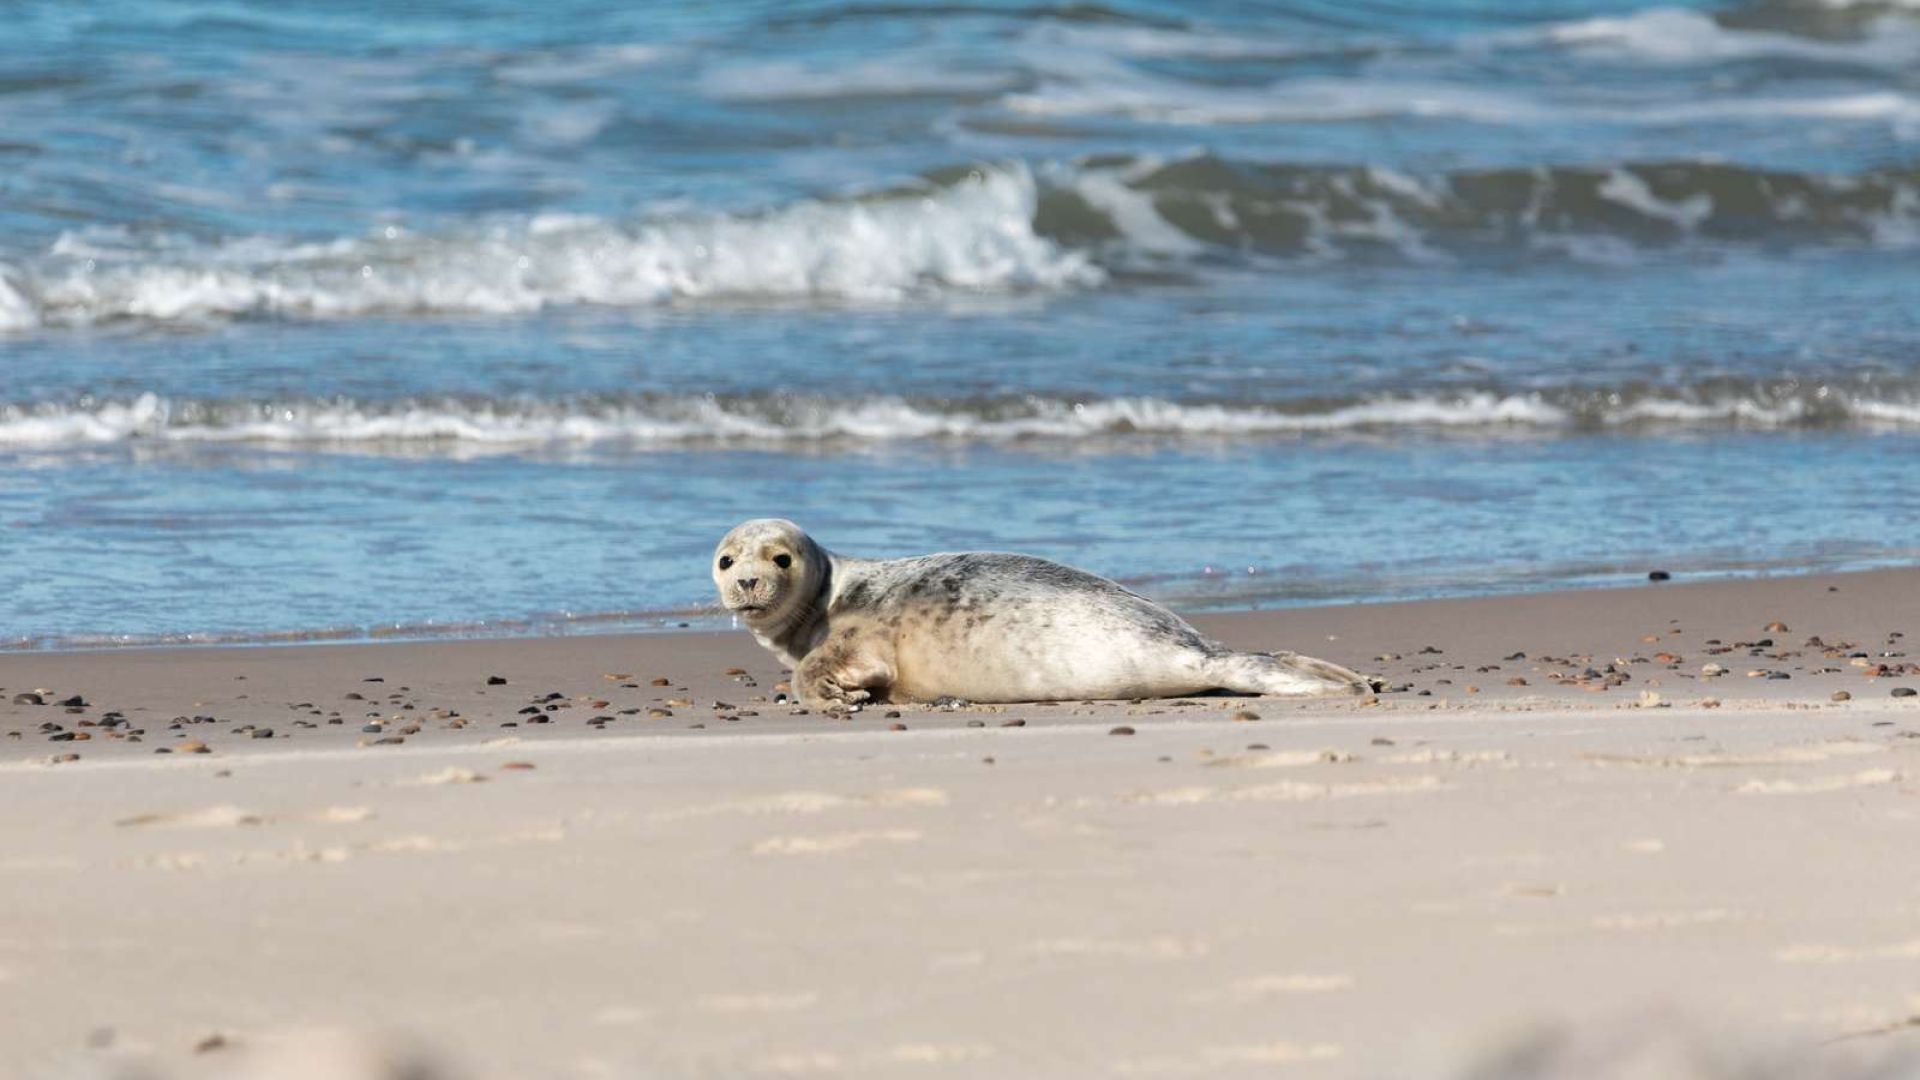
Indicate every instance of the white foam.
{"type": "Point", "coordinates": [783, 80]}
{"type": "Point", "coordinates": [976, 235]}
{"type": "Point", "coordinates": [1675, 36]}
{"type": "Point", "coordinates": [1632, 192]}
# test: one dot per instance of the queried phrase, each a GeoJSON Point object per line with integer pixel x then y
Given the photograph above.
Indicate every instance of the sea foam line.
{"type": "Point", "coordinates": [664, 421]}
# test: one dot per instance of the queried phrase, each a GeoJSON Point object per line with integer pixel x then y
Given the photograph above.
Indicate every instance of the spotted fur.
{"type": "Point", "coordinates": [983, 626]}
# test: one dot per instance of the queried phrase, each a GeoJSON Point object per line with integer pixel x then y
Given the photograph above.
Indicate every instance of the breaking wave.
{"type": "Point", "coordinates": [452, 425]}
{"type": "Point", "coordinates": [974, 228]}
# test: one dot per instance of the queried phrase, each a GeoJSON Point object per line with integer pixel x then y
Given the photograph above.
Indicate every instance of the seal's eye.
{"type": "Point", "coordinates": [783, 561]}
{"type": "Point", "coordinates": [726, 561]}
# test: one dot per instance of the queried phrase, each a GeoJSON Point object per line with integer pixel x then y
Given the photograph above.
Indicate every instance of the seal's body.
{"type": "Point", "coordinates": [981, 626]}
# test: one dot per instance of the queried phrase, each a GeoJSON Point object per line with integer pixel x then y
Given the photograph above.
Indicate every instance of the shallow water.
{"type": "Point", "coordinates": [331, 320]}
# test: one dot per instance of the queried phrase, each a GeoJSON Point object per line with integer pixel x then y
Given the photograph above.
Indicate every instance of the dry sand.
{"type": "Point", "coordinates": [1395, 887]}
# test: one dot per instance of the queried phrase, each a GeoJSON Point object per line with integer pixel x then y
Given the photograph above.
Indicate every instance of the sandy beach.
{"type": "Point", "coordinates": [626, 859]}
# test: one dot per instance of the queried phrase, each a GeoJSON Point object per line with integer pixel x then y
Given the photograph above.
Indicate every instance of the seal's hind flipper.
{"type": "Point", "coordinates": [1286, 674]}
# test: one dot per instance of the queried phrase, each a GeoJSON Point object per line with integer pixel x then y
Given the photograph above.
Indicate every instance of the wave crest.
{"type": "Point", "coordinates": [666, 422]}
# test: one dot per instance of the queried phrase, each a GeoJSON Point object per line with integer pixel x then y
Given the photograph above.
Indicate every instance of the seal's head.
{"type": "Point", "coordinates": [768, 570]}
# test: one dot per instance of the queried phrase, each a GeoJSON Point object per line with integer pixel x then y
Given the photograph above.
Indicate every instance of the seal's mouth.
{"type": "Point", "coordinates": [750, 609]}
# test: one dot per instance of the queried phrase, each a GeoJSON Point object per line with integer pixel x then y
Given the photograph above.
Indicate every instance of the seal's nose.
{"type": "Point", "coordinates": [748, 583]}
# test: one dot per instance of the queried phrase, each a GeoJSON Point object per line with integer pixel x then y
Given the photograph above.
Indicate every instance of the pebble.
{"type": "Point", "coordinates": [1245, 715]}
{"type": "Point", "coordinates": [1776, 627]}
{"type": "Point", "coordinates": [191, 746]}
{"type": "Point", "coordinates": [659, 714]}
{"type": "Point", "coordinates": [517, 766]}
{"type": "Point", "coordinates": [1121, 730]}
{"type": "Point", "coordinates": [62, 759]}
{"type": "Point", "coordinates": [736, 671]}
{"type": "Point", "coordinates": [1904, 691]}
{"type": "Point", "coordinates": [373, 729]}
{"type": "Point", "coordinates": [74, 702]}
{"type": "Point", "coordinates": [1659, 575]}
{"type": "Point", "coordinates": [1015, 722]}
{"type": "Point", "coordinates": [263, 733]}
{"type": "Point", "coordinates": [976, 723]}
{"type": "Point", "coordinates": [896, 727]}
{"type": "Point", "coordinates": [390, 740]}
{"type": "Point", "coordinates": [496, 680]}
{"type": "Point", "coordinates": [1516, 681]}
{"type": "Point", "coordinates": [1712, 670]}
{"type": "Point", "coordinates": [1842, 695]}
{"type": "Point", "coordinates": [661, 681]}
{"type": "Point", "coordinates": [29, 699]}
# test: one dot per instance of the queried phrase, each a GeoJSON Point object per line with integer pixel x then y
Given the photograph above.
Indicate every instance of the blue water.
{"type": "Point", "coordinates": [335, 320]}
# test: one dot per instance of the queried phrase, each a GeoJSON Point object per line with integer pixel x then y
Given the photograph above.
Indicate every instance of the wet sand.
{"type": "Point", "coordinates": [578, 872]}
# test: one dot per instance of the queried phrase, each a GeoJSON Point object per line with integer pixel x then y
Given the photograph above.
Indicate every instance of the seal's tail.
{"type": "Point", "coordinates": [1285, 673]}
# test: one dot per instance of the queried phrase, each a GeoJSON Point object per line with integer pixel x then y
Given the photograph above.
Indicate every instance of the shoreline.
{"type": "Point", "coordinates": [580, 873]}
{"type": "Point", "coordinates": [713, 620]}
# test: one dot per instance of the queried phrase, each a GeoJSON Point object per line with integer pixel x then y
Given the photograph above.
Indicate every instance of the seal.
{"type": "Point", "coordinates": [977, 626]}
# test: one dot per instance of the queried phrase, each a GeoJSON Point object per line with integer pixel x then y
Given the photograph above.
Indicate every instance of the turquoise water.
{"type": "Point", "coordinates": [336, 320]}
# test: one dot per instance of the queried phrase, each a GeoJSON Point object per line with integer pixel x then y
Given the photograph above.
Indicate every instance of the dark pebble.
{"type": "Point", "coordinates": [1659, 575]}
{"type": "Point", "coordinates": [61, 736]}
{"type": "Point", "coordinates": [263, 733]}
{"type": "Point", "coordinates": [29, 699]}
{"type": "Point", "coordinates": [1904, 691]}
{"type": "Point", "coordinates": [976, 723]}
{"type": "Point", "coordinates": [1015, 722]}
{"type": "Point", "coordinates": [1121, 730]}
{"type": "Point", "coordinates": [896, 727]}
{"type": "Point", "coordinates": [74, 702]}
{"type": "Point", "coordinates": [373, 729]}
{"type": "Point", "coordinates": [495, 680]}
{"type": "Point", "coordinates": [390, 740]}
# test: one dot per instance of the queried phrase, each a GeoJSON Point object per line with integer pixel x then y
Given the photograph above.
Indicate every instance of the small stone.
{"type": "Point", "coordinates": [893, 714]}
{"type": "Point", "coordinates": [1381, 740]}
{"type": "Point", "coordinates": [661, 681]}
{"type": "Point", "coordinates": [263, 733]}
{"type": "Point", "coordinates": [1659, 575]}
{"type": "Point", "coordinates": [1015, 722]}
{"type": "Point", "coordinates": [1246, 715]}
{"type": "Point", "coordinates": [74, 702]}
{"type": "Point", "coordinates": [976, 723]}
{"type": "Point", "coordinates": [736, 671]}
{"type": "Point", "coordinates": [659, 714]}
{"type": "Point", "coordinates": [1431, 650]}
{"type": "Point", "coordinates": [373, 729]}
{"type": "Point", "coordinates": [496, 680]}
{"type": "Point", "coordinates": [1121, 730]}
{"type": "Point", "coordinates": [389, 740]}
{"type": "Point", "coordinates": [211, 1043]}
{"type": "Point", "coordinates": [516, 766]}
{"type": "Point", "coordinates": [191, 746]}
{"type": "Point", "coordinates": [1776, 628]}
{"type": "Point", "coordinates": [896, 727]}
{"type": "Point", "coordinates": [1712, 671]}
{"type": "Point", "coordinates": [1374, 699]}
{"type": "Point", "coordinates": [1516, 681]}
{"type": "Point", "coordinates": [1904, 691]}
{"type": "Point", "coordinates": [62, 759]}
{"type": "Point", "coordinates": [1842, 695]}
{"type": "Point", "coordinates": [1258, 746]}
{"type": "Point", "coordinates": [29, 699]}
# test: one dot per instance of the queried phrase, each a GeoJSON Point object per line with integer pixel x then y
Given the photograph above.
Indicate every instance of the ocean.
{"type": "Point", "coordinates": [334, 320]}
